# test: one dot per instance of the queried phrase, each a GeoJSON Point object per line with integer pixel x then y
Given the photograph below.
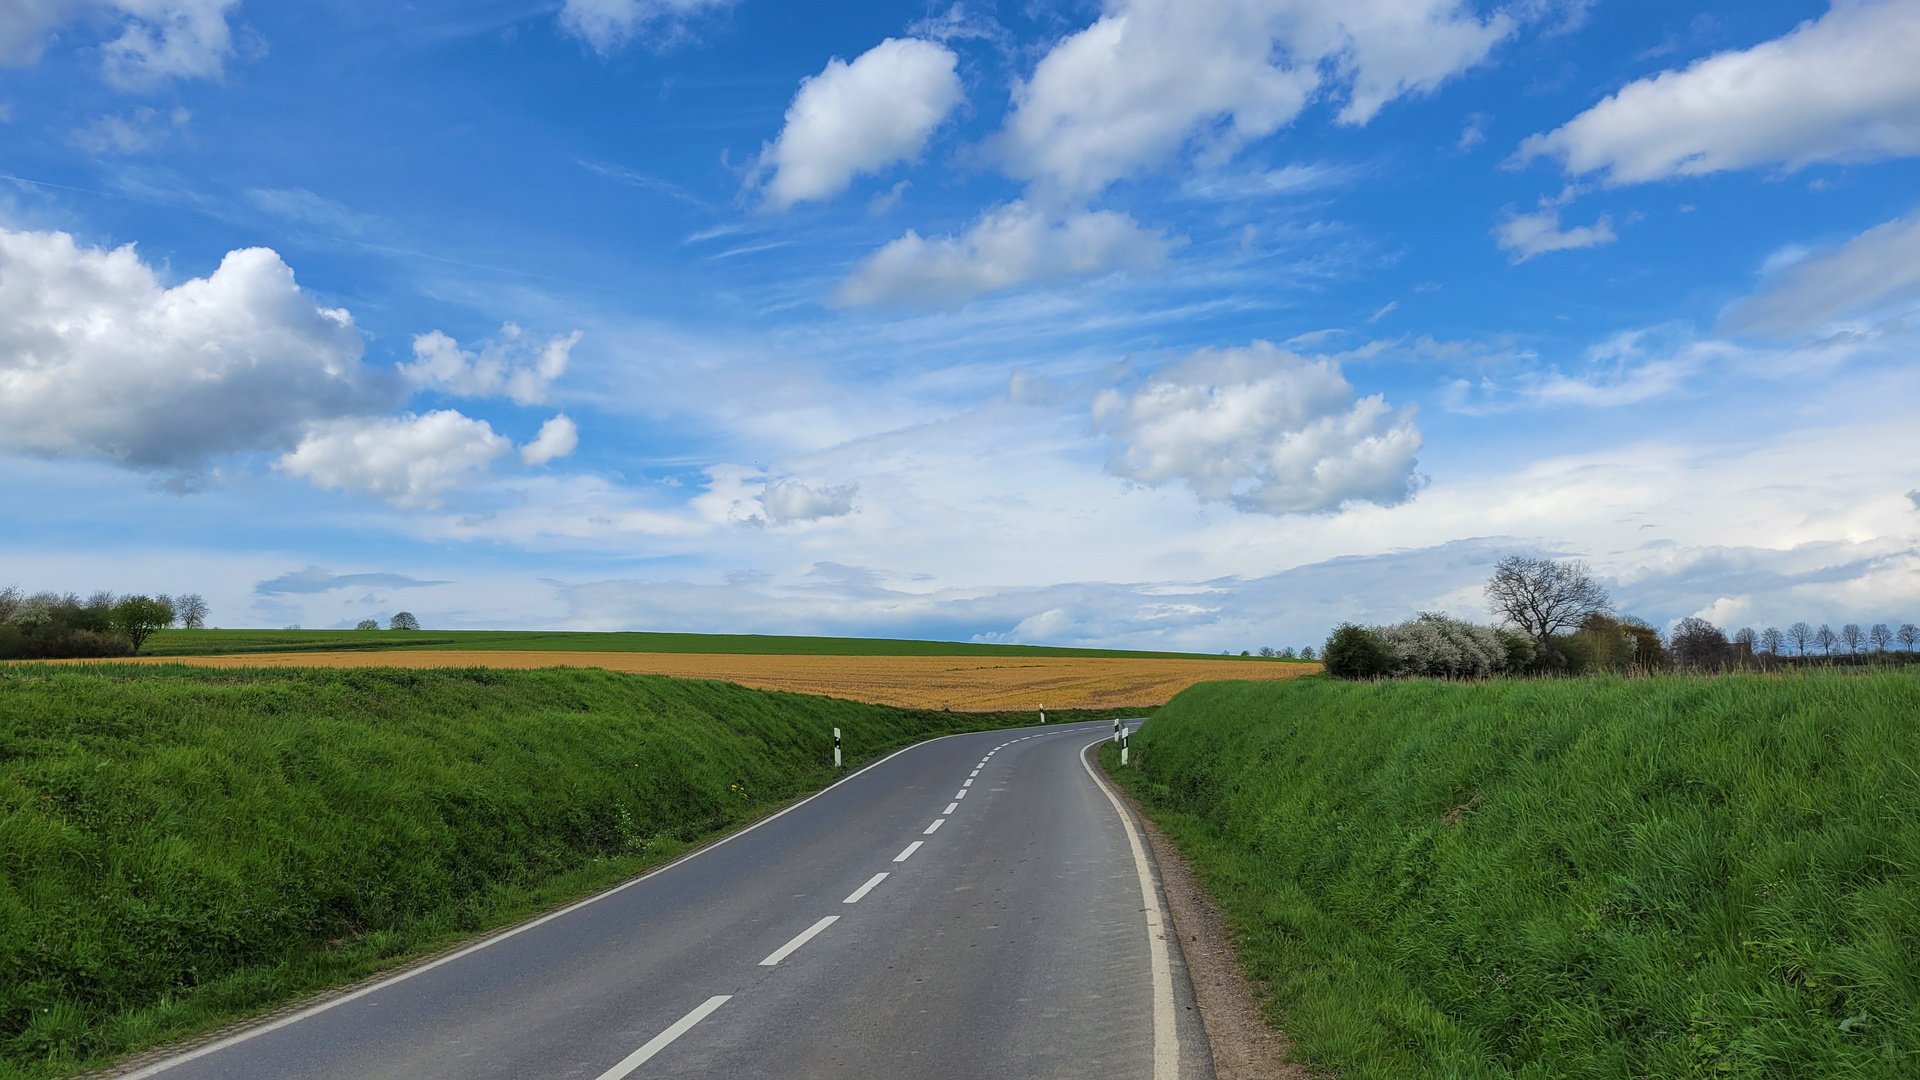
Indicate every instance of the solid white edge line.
{"type": "Point", "coordinates": [865, 889]}
{"type": "Point", "coordinates": [951, 807]}
{"type": "Point", "coordinates": [907, 854]}
{"type": "Point", "coordinates": [659, 1042]}
{"type": "Point", "coordinates": [937, 822]}
{"type": "Point", "coordinates": [1166, 1040]}
{"type": "Point", "coordinates": [332, 1003]}
{"type": "Point", "coordinates": [799, 939]}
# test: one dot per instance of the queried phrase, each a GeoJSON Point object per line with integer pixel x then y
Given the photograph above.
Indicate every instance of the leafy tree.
{"type": "Point", "coordinates": [1770, 640]}
{"type": "Point", "coordinates": [1908, 635]}
{"type": "Point", "coordinates": [1852, 637]}
{"type": "Point", "coordinates": [1800, 635]}
{"type": "Point", "coordinates": [1826, 639]}
{"type": "Point", "coordinates": [191, 610]}
{"type": "Point", "coordinates": [1879, 637]}
{"type": "Point", "coordinates": [1288, 654]}
{"type": "Point", "coordinates": [1266, 650]}
{"type": "Point", "coordinates": [137, 617]}
{"type": "Point", "coordinates": [368, 624]}
{"type": "Point", "coordinates": [1355, 652]}
{"type": "Point", "coordinates": [403, 621]}
{"type": "Point", "coordinates": [1306, 652]}
{"type": "Point", "coordinates": [1542, 598]}
{"type": "Point", "coordinates": [12, 600]}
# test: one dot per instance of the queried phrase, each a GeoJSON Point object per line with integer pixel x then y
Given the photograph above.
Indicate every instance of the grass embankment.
{"type": "Point", "coordinates": [1595, 878]}
{"type": "Point", "coordinates": [219, 642]}
{"type": "Point", "coordinates": [179, 847]}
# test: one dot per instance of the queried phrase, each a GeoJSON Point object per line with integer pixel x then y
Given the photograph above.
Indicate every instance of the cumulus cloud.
{"type": "Point", "coordinates": [558, 437]}
{"type": "Point", "coordinates": [1009, 245]}
{"type": "Point", "coordinates": [860, 118]}
{"type": "Point", "coordinates": [1523, 236]}
{"type": "Point", "coordinates": [1264, 429]}
{"type": "Point", "coordinates": [1843, 87]}
{"type": "Point", "coordinates": [99, 359]}
{"type": "Point", "coordinates": [606, 25]}
{"type": "Point", "coordinates": [512, 364]}
{"type": "Point", "coordinates": [1149, 76]}
{"type": "Point", "coordinates": [1874, 271]}
{"type": "Point", "coordinates": [791, 500]}
{"type": "Point", "coordinates": [408, 460]}
{"type": "Point", "coordinates": [158, 40]}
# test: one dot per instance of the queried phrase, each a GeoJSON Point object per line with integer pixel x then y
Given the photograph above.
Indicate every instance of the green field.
{"type": "Point", "coordinates": [221, 642]}
{"type": "Point", "coordinates": [1596, 878]}
{"type": "Point", "coordinates": [181, 846]}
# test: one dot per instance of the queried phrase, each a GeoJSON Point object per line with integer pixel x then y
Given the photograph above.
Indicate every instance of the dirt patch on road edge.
{"type": "Point", "coordinates": [1244, 1046]}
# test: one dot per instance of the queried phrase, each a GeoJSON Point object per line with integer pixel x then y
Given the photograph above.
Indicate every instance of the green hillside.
{"type": "Point", "coordinates": [218, 642]}
{"type": "Point", "coordinates": [181, 846]}
{"type": "Point", "coordinates": [1597, 878]}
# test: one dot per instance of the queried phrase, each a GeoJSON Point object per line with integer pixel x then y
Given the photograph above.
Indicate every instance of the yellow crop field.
{"type": "Point", "coordinates": [927, 682]}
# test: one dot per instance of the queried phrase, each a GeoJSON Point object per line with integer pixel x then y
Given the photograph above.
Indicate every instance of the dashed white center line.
{"type": "Point", "coordinates": [962, 793]}
{"type": "Point", "coordinates": [659, 1042]}
{"type": "Point", "coordinates": [865, 889]}
{"type": "Point", "coordinates": [951, 807]}
{"type": "Point", "coordinates": [907, 854]}
{"type": "Point", "coordinates": [975, 772]}
{"type": "Point", "coordinates": [802, 938]}
{"type": "Point", "coordinates": [937, 822]}
{"type": "Point", "coordinates": [968, 783]}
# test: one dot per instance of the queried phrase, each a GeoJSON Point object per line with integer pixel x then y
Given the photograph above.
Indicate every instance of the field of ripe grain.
{"type": "Point", "coordinates": [926, 682]}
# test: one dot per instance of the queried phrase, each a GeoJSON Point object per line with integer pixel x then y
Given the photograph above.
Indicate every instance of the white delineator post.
{"type": "Point", "coordinates": [836, 748]}
{"type": "Point", "coordinates": [1043, 714]}
{"type": "Point", "coordinates": [1123, 746]}
{"type": "Point", "coordinates": [1116, 729]}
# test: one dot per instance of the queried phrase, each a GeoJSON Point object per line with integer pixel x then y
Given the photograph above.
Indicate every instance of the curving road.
{"type": "Point", "coordinates": [977, 906]}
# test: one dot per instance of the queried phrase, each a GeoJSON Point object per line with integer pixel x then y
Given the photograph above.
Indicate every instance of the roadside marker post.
{"type": "Point", "coordinates": [1043, 714]}
{"type": "Point", "coordinates": [1116, 729]}
{"type": "Point", "coordinates": [1123, 746]}
{"type": "Point", "coordinates": [836, 748]}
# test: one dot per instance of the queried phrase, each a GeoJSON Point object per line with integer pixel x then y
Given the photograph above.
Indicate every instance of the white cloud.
{"type": "Point", "coordinates": [1875, 271]}
{"type": "Point", "coordinates": [1522, 236]}
{"type": "Point", "coordinates": [608, 24]}
{"type": "Point", "coordinates": [1843, 87]}
{"type": "Point", "coordinates": [513, 365]}
{"type": "Point", "coordinates": [128, 133]}
{"type": "Point", "coordinates": [409, 461]}
{"type": "Point", "coordinates": [1009, 245]}
{"type": "Point", "coordinates": [159, 39]}
{"type": "Point", "coordinates": [558, 437]}
{"type": "Point", "coordinates": [1266, 430]}
{"type": "Point", "coordinates": [860, 118]}
{"type": "Point", "coordinates": [791, 500]}
{"type": "Point", "coordinates": [1151, 75]}
{"type": "Point", "coordinates": [98, 359]}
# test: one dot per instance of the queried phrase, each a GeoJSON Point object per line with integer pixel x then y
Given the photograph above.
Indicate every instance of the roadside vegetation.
{"type": "Point", "coordinates": [46, 626]}
{"type": "Point", "coordinates": [179, 847]}
{"type": "Point", "coordinates": [1668, 876]}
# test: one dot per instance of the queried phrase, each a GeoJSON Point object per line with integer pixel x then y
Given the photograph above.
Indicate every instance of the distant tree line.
{"type": "Point", "coordinates": [1557, 620]}
{"type": "Point", "coordinates": [50, 626]}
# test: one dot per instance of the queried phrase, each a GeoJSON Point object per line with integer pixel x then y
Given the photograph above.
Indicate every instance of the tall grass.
{"type": "Point", "coordinates": [181, 846]}
{"type": "Point", "coordinates": [1666, 877]}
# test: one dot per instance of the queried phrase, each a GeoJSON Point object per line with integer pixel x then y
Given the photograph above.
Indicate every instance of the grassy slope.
{"type": "Point", "coordinates": [215, 642]}
{"type": "Point", "coordinates": [1592, 878]}
{"type": "Point", "coordinates": [181, 846]}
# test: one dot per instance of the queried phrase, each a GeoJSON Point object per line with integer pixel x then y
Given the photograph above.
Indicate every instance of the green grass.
{"type": "Point", "coordinates": [182, 846]}
{"type": "Point", "coordinates": [1594, 878]}
{"type": "Point", "coordinates": [218, 642]}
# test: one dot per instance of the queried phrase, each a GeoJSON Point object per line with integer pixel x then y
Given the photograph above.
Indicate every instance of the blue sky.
{"type": "Point", "coordinates": [1167, 323]}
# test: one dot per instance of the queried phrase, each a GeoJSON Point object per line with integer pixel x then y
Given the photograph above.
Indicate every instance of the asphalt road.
{"type": "Point", "coordinates": [1008, 938]}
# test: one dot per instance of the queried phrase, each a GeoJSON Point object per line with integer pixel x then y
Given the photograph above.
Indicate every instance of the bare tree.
{"type": "Point", "coordinates": [1826, 639]}
{"type": "Point", "coordinates": [192, 611]}
{"type": "Point", "coordinates": [1800, 635]}
{"type": "Point", "coordinates": [1852, 637]}
{"type": "Point", "coordinates": [1697, 643]}
{"type": "Point", "coordinates": [1879, 637]}
{"type": "Point", "coordinates": [1908, 635]}
{"type": "Point", "coordinates": [1541, 598]}
{"type": "Point", "coordinates": [1770, 640]}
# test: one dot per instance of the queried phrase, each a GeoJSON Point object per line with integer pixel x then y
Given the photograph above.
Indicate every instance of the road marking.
{"type": "Point", "coordinates": [937, 822]}
{"type": "Point", "coordinates": [975, 772]}
{"type": "Point", "coordinates": [907, 854]}
{"type": "Point", "coordinates": [865, 889]}
{"type": "Point", "coordinates": [802, 938]}
{"type": "Point", "coordinates": [951, 807]}
{"type": "Point", "coordinates": [1166, 1041]}
{"type": "Point", "coordinates": [967, 784]}
{"type": "Point", "coordinates": [659, 1042]}
{"type": "Point", "coordinates": [962, 793]}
